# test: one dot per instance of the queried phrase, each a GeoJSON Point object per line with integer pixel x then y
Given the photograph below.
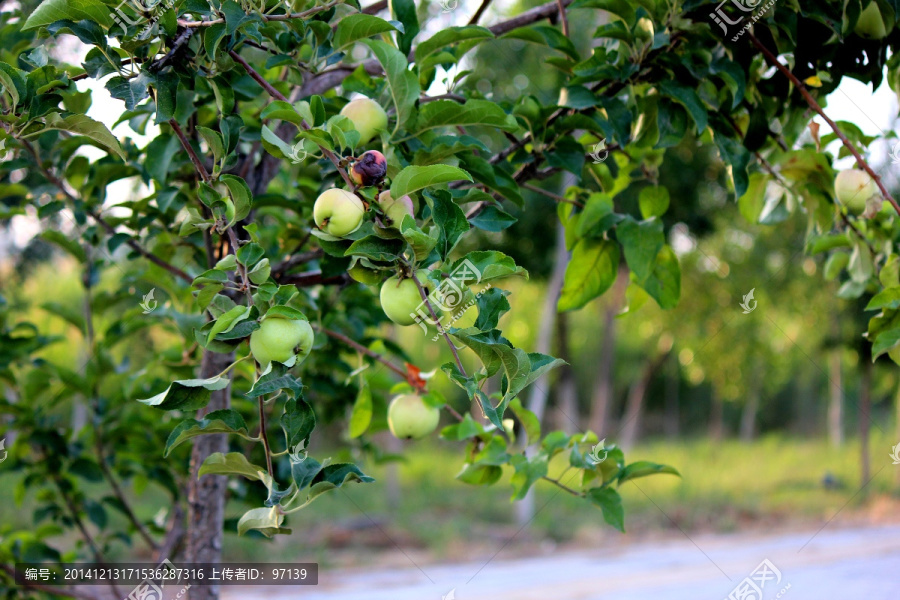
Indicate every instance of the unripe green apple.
{"type": "Point", "coordinates": [338, 212]}
{"type": "Point", "coordinates": [395, 209]}
{"type": "Point", "coordinates": [364, 274]}
{"type": "Point", "coordinates": [871, 24]}
{"type": "Point", "coordinates": [369, 169]}
{"type": "Point", "coordinates": [853, 187]}
{"type": "Point", "coordinates": [644, 29]}
{"type": "Point", "coordinates": [277, 338]}
{"type": "Point", "coordinates": [409, 417]}
{"type": "Point", "coordinates": [367, 116]}
{"type": "Point", "coordinates": [400, 299]}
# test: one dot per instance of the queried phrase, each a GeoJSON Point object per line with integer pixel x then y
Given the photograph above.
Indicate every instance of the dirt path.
{"type": "Point", "coordinates": [855, 563]}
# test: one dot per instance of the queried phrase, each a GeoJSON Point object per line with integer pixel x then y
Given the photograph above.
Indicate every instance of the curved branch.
{"type": "Point", "coordinates": [266, 18]}
{"type": "Point", "coordinates": [416, 382]}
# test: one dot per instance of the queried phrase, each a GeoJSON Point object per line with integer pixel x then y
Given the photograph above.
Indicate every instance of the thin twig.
{"type": "Point", "coordinates": [264, 435]}
{"type": "Point", "coordinates": [336, 161]}
{"type": "Point", "coordinates": [556, 197]}
{"type": "Point", "coordinates": [422, 293]}
{"type": "Point", "coordinates": [773, 60]}
{"type": "Point", "coordinates": [563, 486]}
{"type": "Point", "coordinates": [562, 17]}
{"type": "Point", "coordinates": [406, 375]}
{"type": "Point", "coordinates": [479, 12]}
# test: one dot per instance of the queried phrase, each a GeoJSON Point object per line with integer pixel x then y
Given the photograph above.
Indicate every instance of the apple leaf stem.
{"type": "Point", "coordinates": [863, 164]}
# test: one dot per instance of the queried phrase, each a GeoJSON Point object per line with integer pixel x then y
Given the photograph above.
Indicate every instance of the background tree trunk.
{"type": "Point", "coordinates": [751, 407]}
{"type": "Point", "coordinates": [865, 406]}
{"type": "Point", "coordinates": [537, 400]}
{"type": "Point", "coordinates": [206, 496]}
{"type": "Point", "coordinates": [835, 400]}
{"type": "Point", "coordinates": [566, 392]}
{"type": "Point", "coordinates": [601, 399]}
{"type": "Point", "coordinates": [716, 417]}
{"type": "Point", "coordinates": [634, 406]}
{"type": "Point", "coordinates": [673, 380]}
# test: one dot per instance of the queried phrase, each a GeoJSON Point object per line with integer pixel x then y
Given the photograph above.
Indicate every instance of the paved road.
{"type": "Point", "coordinates": [838, 563]}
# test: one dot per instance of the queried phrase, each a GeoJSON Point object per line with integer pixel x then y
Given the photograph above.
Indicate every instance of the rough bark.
{"type": "Point", "coordinates": [206, 495]}
{"type": "Point", "coordinates": [601, 399]}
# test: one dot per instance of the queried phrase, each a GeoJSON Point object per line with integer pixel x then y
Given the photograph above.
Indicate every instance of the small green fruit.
{"type": "Point", "coordinates": [364, 274]}
{"type": "Point", "coordinates": [853, 187]}
{"type": "Point", "coordinates": [338, 212]}
{"type": "Point", "coordinates": [401, 299]}
{"type": "Point", "coordinates": [410, 418]}
{"type": "Point", "coordinates": [395, 209]}
{"type": "Point", "coordinates": [277, 338]}
{"type": "Point", "coordinates": [367, 116]}
{"type": "Point", "coordinates": [643, 31]}
{"type": "Point", "coordinates": [871, 24]}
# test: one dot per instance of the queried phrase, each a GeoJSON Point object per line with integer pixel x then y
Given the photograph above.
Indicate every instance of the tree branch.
{"type": "Point", "coordinates": [267, 18]}
{"type": "Point", "coordinates": [311, 278]}
{"type": "Point", "coordinates": [773, 60]}
{"type": "Point", "coordinates": [479, 12]}
{"type": "Point", "coordinates": [424, 296]}
{"type": "Point", "coordinates": [416, 382]}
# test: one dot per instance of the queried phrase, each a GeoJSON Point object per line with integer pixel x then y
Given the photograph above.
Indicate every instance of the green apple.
{"type": "Point", "coordinates": [853, 187]}
{"type": "Point", "coordinates": [409, 417]}
{"type": "Point", "coordinates": [401, 298]}
{"type": "Point", "coordinates": [395, 209]}
{"type": "Point", "coordinates": [364, 274]}
{"type": "Point", "coordinates": [870, 24]}
{"type": "Point", "coordinates": [278, 338]}
{"type": "Point", "coordinates": [367, 116]}
{"type": "Point", "coordinates": [338, 212]}
{"type": "Point", "coordinates": [643, 31]}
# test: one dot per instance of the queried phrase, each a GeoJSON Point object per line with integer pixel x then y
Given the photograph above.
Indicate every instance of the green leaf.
{"type": "Point", "coordinates": [450, 219]}
{"type": "Point", "coordinates": [376, 248]}
{"type": "Point", "coordinates": [227, 321]}
{"type": "Point", "coordinates": [591, 271]}
{"type": "Point", "coordinates": [414, 178]}
{"type": "Point", "coordinates": [492, 304]}
{"type": "Point", "coordinates": [86, 126]}
{"type": "Point", "coordinates": [653, 201]}
{"type": "Point", "coordinates": [491, 218]}
{"type": "Point", "coordinates": [641, 242]}
{"type": "Point", "coordinates": [643, 468]}
{"type": "Point", "coordinates": [334, 476]}
{"type": "Point", "coordinates": [403, 83]}
{"type": "Point", "coordinates": [50, 11]}
{"type": "Point", "coordinates": [233, 463]}
{"type": "Point", "coordinates": [214, 141]}
{"type": "Point", "coordinates": [361, 415]}
{"type": "Point", "coordinates": [545, 36]}
{"type": "Point", "coordinates": [69, 245]}
{"type": "Point", "coordinates": [610, 502]}
{"type": "Point", "coordinates": [688, 98]}
{"type": "Point", "coordinates": [451, 35]}
{"type": "Point", "coordinates": [528, 419]}
{"type": "Point", "coordinates": [480, 474]}
{"type": "Point", "coordinates": [280, 109]}
{"type": "Point", "coordinates": [240, 195]}
{"type": "Point", "coordinates": [276, 378]}
{"type": "Point", "coordinates": [421, 243]}
{"type": "Point", "coordinates": [404, 11]}
{"type": "Point", "coordinates": [187, 394]}
{"type": "Point", "coordinates": [664, 285]}
{"type": "Point", "coordinates": [219, 421]}
{"type": "Point", "coordinates": [448, 113]}
{"type": "Point", "coordinates": [265, 520]}
{"type": "Point", "coordinates": [357, 27]}
{"type": "Point", "coordinates": [528, 472]}
{"type": "Point", "coordinates": [888, 298]}
{"type": "Point", "coordinates": [298, 422]}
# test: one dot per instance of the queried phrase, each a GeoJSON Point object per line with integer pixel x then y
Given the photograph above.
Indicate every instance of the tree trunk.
{"type": "Point", "coordinates": [601, 399]}
{"type": "Point", "coordinates": [716, 417]}
{"type": "Point", "coordinates": [635, 403]}
{"type": "Point", "coordinates": [835, 400]}
{"type": "Point", "coordinates": [206, 496]}
{"type": "Point", "coordinates": [566, 385]}
{"type": "Point", "coordinates": [751, 407]}
{"type": "Point", "coordinates": [537, 400]}
{"type": "Point", "coordinates": [865, 405]}
{"type": "Point", "coordinates": [673, 416]}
